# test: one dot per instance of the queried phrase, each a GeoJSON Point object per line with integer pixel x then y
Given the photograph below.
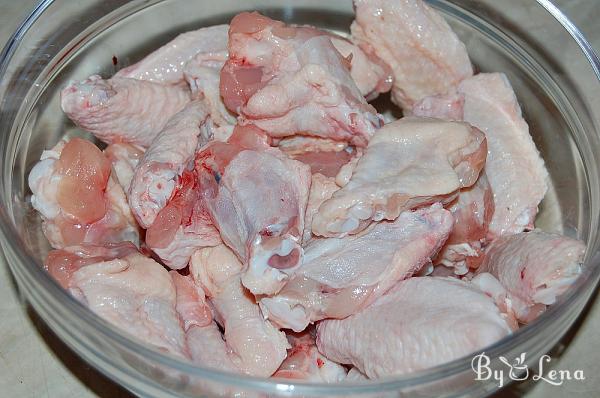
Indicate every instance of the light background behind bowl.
{"type": "Point", "coordinates": [34, 363]}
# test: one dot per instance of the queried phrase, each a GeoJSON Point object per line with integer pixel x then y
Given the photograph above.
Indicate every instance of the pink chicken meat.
{"type": "Point", "coordinates": [426, 321]}
{"type": "Point", "coordinates": [409, 163]}
{"type": "Point", "coordinates": [341, 276]}
{"type": "Point", "coordinates": [121, 109]}
{"type": "Point", "coordinates": [289, 80]}
{"type": "Point", "coordinates": [533, 268]}
{"type": "Point", "coordinates": [166, 65]}
{"type": "Point", "coordinates": [79, 198]}
{"type": "Point", "coordinates": [425, 55]}
{"type": "Point", "coordinates": [255, 346]}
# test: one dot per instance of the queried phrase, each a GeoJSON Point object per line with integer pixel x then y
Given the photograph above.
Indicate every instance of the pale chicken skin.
{"type": "Point", "coordinates": [409, 163]}
{"type": "Point", "coordinates": [427, 321]}
{"type": "Point", "coordinates": [339, 277]}
{"type": "Point", "coordinates": [257, 348]}
{"type": "Point", "coordinates": [258, 205]}
{"type": "Point", "coordinates": [137, 295]}
{"type": "Point", "coordinates": [288, 80]}
{"type": "Point", "coordinates": [78, 197]}
{"type": "Point", "coordinates": [121, 109]}
{"type": "Point", "coordinates": [305, 362]}
{"type": "Point", "coordinates": [515, 170]}
{"type": "Point", "coordinates": [425, 55]}
{"type": "Point", "coordinates": [166, 65]}
{"type": "Point", "coordinates": [534, 268]}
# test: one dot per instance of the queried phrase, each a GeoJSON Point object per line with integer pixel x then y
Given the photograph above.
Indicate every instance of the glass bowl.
{"type": "Point", "coordinates": [64, 40]}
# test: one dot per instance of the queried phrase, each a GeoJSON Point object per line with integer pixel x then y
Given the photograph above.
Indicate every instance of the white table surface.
{"type": "Point", "coordinates": [34, 363]}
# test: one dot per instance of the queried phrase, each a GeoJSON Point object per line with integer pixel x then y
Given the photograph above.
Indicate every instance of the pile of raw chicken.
{"type": "Point", "coordinates": [252, 212]}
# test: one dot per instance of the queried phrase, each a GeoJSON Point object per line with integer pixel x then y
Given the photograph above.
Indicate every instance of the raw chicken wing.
{"type": "Point", "coordinates": [425, 55]}
{"type": "Point", "coordinates": [340, 276]}
{"type": "Point", "coordinates": [420, 323]}
{"type": "Point", "coordinates": [290, 80]}
{"type": "Point", "coordinates": [409, 163]}
{"type": "Point", "coordinates": [514, 168]}
{"type": "Point", "coordinates": [447, 107]}
{"type": "Point", "coordinates": [122, 110]}
{"type": "Point", "coordinates": [191, 305]}
{"type": "Point", "coordinates": [258, 205]}
{"type": "Point", "coordinates": [156, 177]}
{"type": "Point", "coordinates": [137, 295]}
{"type": "Point", "coordinates": [79, 198]}
{"type": "Point", "coordinates": [166, 64]}
{"type": "Point", "coordinates": [534, 267]}
{"type": "Point", "coordinates": [257, 347]}
{"type": "Point", "coordinates": [165, 195]}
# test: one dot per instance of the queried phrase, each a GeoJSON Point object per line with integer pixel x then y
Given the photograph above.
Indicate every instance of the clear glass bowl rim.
{"type": "Point", "coordinates": [10, 236]}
